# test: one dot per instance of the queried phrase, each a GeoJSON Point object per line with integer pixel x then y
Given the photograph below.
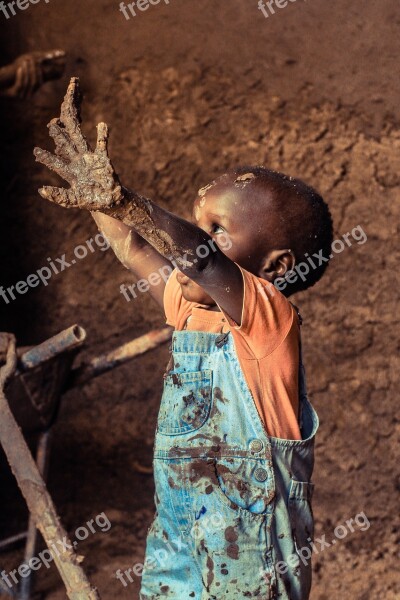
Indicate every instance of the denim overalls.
{"type": "Point", "coordinates": [233, 505]}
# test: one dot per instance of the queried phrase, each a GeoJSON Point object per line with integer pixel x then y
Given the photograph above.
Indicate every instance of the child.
{"type": "Point", "coordinates": [233, 453]}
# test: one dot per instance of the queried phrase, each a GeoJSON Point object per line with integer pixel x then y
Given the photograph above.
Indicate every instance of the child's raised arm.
{"type": "Point", "coordinates": [92, 174]}
{"type": "Point", "coordinates": [135, 253]}
{"type": "Point", "coordinates": [96, 187]}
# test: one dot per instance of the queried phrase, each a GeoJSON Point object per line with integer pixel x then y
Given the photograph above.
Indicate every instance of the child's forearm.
{"type": "Point", "coordinates": [7, 76]}
{"type": "Point", "coordinates": [123, 239]}
{"type": "Point", "coordinates": [172, 237]}
{"type": "Point", "coordinates": [135, 253]}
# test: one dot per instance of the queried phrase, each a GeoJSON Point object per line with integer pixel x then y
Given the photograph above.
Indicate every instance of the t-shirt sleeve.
{"type": "Point", "coordinates": [267, 316]}
{"type": "Point", "coordinates": [176, 308]}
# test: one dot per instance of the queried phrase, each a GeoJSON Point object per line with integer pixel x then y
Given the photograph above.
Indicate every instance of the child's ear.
{"type": "Point", "coordinates": [276, 264]}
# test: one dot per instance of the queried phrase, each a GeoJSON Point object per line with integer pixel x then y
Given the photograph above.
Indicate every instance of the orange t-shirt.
{"type": "Point", "coordinates": [267, 346]}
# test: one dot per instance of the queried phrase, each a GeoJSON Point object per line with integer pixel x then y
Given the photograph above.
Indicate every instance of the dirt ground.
{"type": "Point", "coordinates": [189, 89]}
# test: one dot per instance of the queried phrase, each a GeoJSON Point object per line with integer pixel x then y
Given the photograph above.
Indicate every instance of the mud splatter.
{"type": "Point", "coordinates": [210, 573]}
{"type": "Point", "coordinates": [218, 395]}
{"type": "Point", "coordinates": [202, 469]}
{"type": "Point", "coordinates": [243, 180]}
{"type": "Point", "coordinates": [215, 438]}
{"type": "Point", "coordinates": [172, 483]}
{"type": "Point", "coordinates": [176, 380]}
{"type": "Point", "coordinates": [203, 191]}
{"type": "Point", "coordinates": [233, 551]}
{"type": "Point", "coordinates": [188, 399]}
{"type": "Point", "coordinates": [230, 534]}
{"type": "Point", "coordinates": [176, 452]}
{"type": "Point", "coordinates": [197, 212]}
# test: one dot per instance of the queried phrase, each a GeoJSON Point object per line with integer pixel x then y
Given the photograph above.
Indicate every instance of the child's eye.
{"type": "Point", "coordinates": [215, 228]}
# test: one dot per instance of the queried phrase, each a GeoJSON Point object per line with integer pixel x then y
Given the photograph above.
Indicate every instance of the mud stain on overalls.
{"type": "Point", "coordinates": [231, 536]}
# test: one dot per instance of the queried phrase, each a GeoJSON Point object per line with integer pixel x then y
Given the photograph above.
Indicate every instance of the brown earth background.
{"type": "Point", "coordinates": [188, 90]}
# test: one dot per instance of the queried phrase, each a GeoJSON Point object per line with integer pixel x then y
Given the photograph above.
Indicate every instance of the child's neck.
{"type": "Point", "coordinates": [211, 307]}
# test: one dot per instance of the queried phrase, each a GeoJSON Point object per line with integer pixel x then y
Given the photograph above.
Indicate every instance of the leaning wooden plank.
{"type": "Point", "coordinates": [34, 489]}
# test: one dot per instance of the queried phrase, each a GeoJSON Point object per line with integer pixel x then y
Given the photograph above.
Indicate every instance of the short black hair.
{"type": "Point", "coordinates": [307, 226]}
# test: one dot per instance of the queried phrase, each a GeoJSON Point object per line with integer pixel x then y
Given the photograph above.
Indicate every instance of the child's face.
{"type": "Point", "coordinates": [236, 230]}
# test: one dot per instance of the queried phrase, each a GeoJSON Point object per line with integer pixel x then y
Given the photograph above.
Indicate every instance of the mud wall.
{"type": "Point", "coordinates": [189, 89]}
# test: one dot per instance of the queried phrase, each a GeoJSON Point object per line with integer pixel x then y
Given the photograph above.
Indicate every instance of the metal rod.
{"type": "Point", "coordinates": [65, 340]}
{"type": "Point", "coordinates": [4, 544]}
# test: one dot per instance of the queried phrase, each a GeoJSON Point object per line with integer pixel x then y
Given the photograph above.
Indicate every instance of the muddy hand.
{"type": "Point", "coordinates": [93, 182]}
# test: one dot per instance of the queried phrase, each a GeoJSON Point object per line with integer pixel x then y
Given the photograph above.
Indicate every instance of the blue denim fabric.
{"type": "Point", "coordinates": [231, 501]}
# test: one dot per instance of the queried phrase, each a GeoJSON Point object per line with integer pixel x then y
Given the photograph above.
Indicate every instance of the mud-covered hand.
{"type": "Point", "coordinates": [93, 182]}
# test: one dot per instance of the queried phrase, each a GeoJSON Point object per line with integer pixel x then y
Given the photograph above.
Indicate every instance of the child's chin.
{"type": "Point", "coordinates": [196, 295]}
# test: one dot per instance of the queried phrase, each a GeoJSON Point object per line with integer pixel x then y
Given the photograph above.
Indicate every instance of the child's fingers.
{"type": "Point", "coordinates": [64, 145]}
{"type": "Point", "coordinates": [54, 54]}
{"type": "Point", "coordinates": [17, 89]}
{"type": "Point", "coordinates": [55, 163]}
{"type": "Point", "coordinates": [32, 77]}
{"type": "Point", "coordinates": [23, 80]}
{"type": "Point", "coordinates": [38, 73]}
{"type": "Point", "coordinates": [70, 115]}
{"type": "Point", "coordinates": [102, 139]}
{"type": "Point", "coordinates": [59, 196]}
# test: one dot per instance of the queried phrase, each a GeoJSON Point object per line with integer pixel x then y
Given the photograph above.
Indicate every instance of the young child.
{"type": "Point", "coordinates": [233, 453]}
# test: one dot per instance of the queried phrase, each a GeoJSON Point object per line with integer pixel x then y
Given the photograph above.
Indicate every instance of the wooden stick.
{"type": "Point", "coordinates": [34, 490]}
{"type": "Point", "coordinates": [105, 362]}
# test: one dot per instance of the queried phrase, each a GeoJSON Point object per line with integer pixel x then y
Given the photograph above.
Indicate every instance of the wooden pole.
{"type": "Point", "coordinates": [105, 362]}
{"type": "Point", "coordinates": [34, 490]}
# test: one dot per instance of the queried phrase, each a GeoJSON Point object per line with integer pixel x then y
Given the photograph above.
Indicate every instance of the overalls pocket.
{"type": "Point", "coordinates": [300, 513]}
{"type": "Point", "coordinates": [186, 402]}
{"type": "Point", "coordinates": [244, 484]}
